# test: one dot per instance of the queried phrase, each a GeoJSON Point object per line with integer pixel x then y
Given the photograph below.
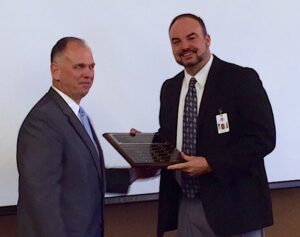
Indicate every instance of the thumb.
{"type": "Point", "coordinates": [185, 156]}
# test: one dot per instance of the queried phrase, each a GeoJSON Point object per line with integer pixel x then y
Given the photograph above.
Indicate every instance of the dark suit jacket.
{"type": "Point", "coordinates": [235, 194]}
{"type": "Point", "coordinates": [61, 175]}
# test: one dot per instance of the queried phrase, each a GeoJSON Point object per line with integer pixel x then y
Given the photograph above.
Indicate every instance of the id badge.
{"type": "Point", "coordinates": [222, 123]}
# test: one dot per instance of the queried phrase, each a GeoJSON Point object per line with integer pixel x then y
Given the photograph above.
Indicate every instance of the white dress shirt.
{"type": "Point", "coordinates": [200, 77]}
{"type": "Point", "coordinates": [73, 105]}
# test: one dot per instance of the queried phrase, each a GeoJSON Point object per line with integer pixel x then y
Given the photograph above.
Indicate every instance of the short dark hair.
{"type": "Point", "coordinates": [190, 15]}
{"type": "Point", "coordinates": [61, 45]}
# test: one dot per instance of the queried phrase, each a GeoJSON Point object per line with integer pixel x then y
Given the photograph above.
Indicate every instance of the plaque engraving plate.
{"type": "Point", "coordinates": [144, 149]}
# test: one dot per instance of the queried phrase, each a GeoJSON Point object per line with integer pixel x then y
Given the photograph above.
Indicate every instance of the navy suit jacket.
{"type": "Point", "coordinates": [235, 194]}
{"type": "Point", "coordinates": [61, 175]}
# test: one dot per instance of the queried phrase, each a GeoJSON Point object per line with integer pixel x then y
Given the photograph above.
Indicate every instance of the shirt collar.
{"type": "Point", "coordinates": [73, 105]}
{"type": "Point", "coordinates": [201, 76]}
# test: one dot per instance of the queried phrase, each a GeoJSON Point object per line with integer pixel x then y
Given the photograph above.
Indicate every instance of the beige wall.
{"type": "Point", "coordinates": [139, 219]}
{"type": "Point", "coordinates": [286, 208]}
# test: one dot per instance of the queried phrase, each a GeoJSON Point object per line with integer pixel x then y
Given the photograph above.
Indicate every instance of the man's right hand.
{"type": "Point", "coordinates": [133, 132]}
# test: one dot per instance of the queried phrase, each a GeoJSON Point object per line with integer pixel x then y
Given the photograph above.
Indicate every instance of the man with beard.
{"type": "Point", "coordinates": [218, 114]}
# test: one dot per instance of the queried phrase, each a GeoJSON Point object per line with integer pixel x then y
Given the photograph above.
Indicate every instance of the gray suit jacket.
{"type": "Point", "coordinates": [61, 175]}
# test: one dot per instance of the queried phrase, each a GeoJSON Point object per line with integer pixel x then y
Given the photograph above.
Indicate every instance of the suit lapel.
{"type": "Point", "coordinates": [102, 165]}
{"type": "Point", "coordinates": [76, 124]}
{"type": "Point", "coordinates": [210, 90]}
{"type": "Point", "coordinates": [174, 96]}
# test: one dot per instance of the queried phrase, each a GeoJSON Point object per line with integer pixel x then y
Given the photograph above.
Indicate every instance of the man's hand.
{"type": "Point", "coordinates": [133, 132]}
{"type": "Point", "coordinates": [194, 165]}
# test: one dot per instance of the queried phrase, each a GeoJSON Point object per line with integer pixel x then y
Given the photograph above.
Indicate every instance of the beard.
{"type": "Point", "coordinates": [191, 63]}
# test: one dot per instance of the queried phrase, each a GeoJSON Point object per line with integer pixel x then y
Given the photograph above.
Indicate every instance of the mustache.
{"type": "Point", "coordinates": [193, 50]}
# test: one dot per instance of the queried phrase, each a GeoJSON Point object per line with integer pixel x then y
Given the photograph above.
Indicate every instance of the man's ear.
{"type": "Point", "coordinates": [208, 40]}
{"type": "Point", "coordinates": [55, 71]}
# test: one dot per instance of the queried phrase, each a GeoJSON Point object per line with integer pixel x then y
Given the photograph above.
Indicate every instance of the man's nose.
{"type": "Point", "coordinates": [184, 44]}
{"type": "Point", "coordinates": [88, 72]}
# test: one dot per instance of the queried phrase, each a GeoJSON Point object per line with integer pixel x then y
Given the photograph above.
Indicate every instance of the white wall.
{"type": "Point", "coordinates": [133, 57]}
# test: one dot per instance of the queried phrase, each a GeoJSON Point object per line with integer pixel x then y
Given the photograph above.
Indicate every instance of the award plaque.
{"type": "Point", "coordinates": [144, 149]}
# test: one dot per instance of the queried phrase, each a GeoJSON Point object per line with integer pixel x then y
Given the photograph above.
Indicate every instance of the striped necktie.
{"type": "Point", "coordinates": [190, 185]}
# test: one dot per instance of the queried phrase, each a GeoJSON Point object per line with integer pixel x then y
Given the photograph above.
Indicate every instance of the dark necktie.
{"type": "Point", "coordinates": [190, 185]}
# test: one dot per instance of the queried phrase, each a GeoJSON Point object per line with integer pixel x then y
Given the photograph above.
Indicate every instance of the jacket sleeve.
{"type": "Point", "coordinates": [39, 160]}
{"type": "Point", "coordinates": [117, 180]}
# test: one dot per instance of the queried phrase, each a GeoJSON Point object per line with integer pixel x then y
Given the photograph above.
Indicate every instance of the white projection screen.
{"type": "Point", "coordinates": [133, 57]}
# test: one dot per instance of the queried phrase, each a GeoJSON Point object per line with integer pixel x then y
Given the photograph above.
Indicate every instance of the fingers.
{"type": "Point", "coordinates": [192, 166]}
{"type": "Point", "coordinates": [133, 131]}
{"type": "Point", "coordinates": [179, 167]}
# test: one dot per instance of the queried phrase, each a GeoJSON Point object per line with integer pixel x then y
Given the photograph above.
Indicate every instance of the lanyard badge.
{"type": "Point", "coordinates": [222, 122]}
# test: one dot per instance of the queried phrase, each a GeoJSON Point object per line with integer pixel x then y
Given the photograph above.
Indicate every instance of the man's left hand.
{"type": "Point", "coordinates": [194, 165]}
